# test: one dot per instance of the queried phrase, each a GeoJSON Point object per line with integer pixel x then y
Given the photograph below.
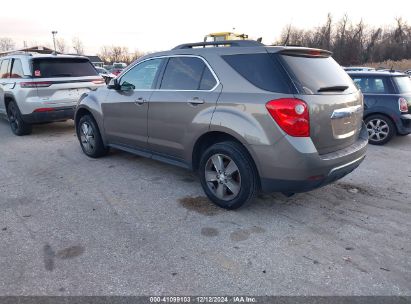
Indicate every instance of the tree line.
{"type": "Point", "coordinates": [353, 43]}
{"type": "Point", "coordinates": [108, 54]}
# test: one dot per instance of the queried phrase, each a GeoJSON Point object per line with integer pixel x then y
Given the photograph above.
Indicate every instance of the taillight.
{"type": "Point", "coordinates": [35, 84]}
{"type": "Point", "coordinates": [291, 115]}
{"type": "Point", "coordinates": [43, 110]}
{"type": "Point", "coordinates": [403, 104]}
{"type": "Point", "coordinates": [98, 81]}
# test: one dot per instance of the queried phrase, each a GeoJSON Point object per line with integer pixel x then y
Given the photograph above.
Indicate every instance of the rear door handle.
{"type": "Point", "coordinates": [196, 101]}
{"type": "Point", "coordinates": [140, 101]}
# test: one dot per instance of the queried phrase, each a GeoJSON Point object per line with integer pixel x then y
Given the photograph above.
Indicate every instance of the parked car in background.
{"type": "Point", "coordinates": [118, 67]}
{"type": "Point", "coordinates": [105, 74]}
{"type": "Point", "coordinates": [353, 68]}
{"type": "Point", "coordinates": [246, 116]}
{"type": "Point", "coordinates": [116, 71]}
{"type": "Point", "coordinates": [387, 104]}
{"type": "Point", "coordinates": [38, 88]}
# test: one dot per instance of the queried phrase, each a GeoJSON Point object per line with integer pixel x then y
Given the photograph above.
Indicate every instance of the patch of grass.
{"type": "Point", "coordinates": [401, 65]}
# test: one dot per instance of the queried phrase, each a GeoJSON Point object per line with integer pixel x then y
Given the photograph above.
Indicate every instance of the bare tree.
{"type": "Point", "coordinates": [61, 45]}
{"type": "Point", "coordinates": [136, 55]}
{"type": "Point", "coordinates": [78, 46]}
{"type": "Point", "coordinates": [6, 44]}
{"type": "Point", "coordinates": [111, 54]}
{"type": "Point", "coordinates": [354, 44]}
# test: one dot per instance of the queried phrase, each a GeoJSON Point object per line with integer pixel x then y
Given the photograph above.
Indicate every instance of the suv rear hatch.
{"type": "Point", "coordinates": [61, 81]}
{"type": "Point", "coordinates": [335, 104]}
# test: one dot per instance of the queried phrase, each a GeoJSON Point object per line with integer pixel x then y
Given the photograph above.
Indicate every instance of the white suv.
{"type": "Point", "coordinates": [38, 88]}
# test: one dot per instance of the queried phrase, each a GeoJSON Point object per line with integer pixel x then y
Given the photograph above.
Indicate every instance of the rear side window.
{"type": "Point", "coordinates": [315, 74]}
{"type": "Point", "coordinates": [403, 84]}
{"type": "Point", "coordinates": [207, 81]}
{"type": "Point", "coordinates": [4, 69]}
{"type": "Point", "coordinates": [187, 73]}
{"type": "Point", "coordinates": [374, 85]}
{"type": "Point", "coordinates": [261, 70]}
{"type": "Point", "coordinates": [17, 69]}
{"type": "Point", "coordinates": [62, 67]}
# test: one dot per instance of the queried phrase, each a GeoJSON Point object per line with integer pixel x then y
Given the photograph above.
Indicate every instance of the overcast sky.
{"type": "Point", "coordinates": [158, 25]}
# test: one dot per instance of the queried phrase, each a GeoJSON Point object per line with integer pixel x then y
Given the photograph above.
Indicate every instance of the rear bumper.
{"type": "Point", "coordinates": [56, 114]}
{"type": "Point", "coordinates": [404, 124]}
{"type": "Point", "coordinates": [292, 165]}
{"type": "Point", "coordinates": [296, 186]}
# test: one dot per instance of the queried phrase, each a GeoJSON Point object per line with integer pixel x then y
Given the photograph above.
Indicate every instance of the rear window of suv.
{"type": "Point", "coordinates": [403, 84]}
{"type": "Point", "coordinates": [62, 67]}
{"type": "Point", "coordinates": [315, 74]}
{"type": "Point", "coordinates": [261, 70]}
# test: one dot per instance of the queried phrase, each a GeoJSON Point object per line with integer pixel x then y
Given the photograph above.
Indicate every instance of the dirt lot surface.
{"type": "Point", "coordinates": [125, 225]}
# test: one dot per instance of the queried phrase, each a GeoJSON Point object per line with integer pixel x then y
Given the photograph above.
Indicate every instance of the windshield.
{"type": "Point", "coordinates": [403, 84]}
{"type": "Point", "coordinates": [62, 67]}
{"type": "Point", "coordinates": [318, 75]}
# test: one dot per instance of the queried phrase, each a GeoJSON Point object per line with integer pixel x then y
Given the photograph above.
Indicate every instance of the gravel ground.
{"type": "Point", "coordinates": [125, 225]}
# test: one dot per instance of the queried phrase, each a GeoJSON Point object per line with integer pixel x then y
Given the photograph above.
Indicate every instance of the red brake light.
{"type": "Point", "coordinates": [291, 115]}
{"type": "Point", "coordinates": [43, 110]}
{"type": "Point", "coordinates": [35, 84]}
{"type": "Point", "coordinates": [403, 105]}
{"type": "Point", "coordinates": [315, 53]}
{"type": "Point", "coordinates": [98, 81]}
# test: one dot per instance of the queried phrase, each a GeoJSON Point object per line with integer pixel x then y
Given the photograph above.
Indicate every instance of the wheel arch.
{"type": "Point", "coordinates": [212, 137]}
{"type": "Point", "coordinates": [387, 115]}
{"type": "Point", "coordinates": [83, 110]}
{"type": "Point", "coordinates": [7, 99]}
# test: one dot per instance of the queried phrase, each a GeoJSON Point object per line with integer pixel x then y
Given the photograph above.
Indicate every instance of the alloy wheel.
{"type": "Point", "coordinates": [13, 118]}
{"type": "Point", "coordinates": [87, 137]}
{"type": "Point", "coordinates": [223, 177]}
{"type": "Point", "coordinates": [378, 129]}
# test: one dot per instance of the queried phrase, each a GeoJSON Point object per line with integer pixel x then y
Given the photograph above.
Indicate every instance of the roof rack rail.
{"type": "Point", "coordinates": [232, 43]}
{"type": "Point", "coordinates": [19, 53]}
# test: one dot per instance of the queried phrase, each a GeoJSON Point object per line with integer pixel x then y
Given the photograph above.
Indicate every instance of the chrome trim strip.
{"type": "Point", "coordinates": [170, 56]}
{"type": "Point", "coordinates": [342, 136]}
{"type": "Point", "coordinates": [345, 112]}
{"type": "Point", "coordinates": [347, 164]}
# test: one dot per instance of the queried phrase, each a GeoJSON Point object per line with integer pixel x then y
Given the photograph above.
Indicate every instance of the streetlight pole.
{"type": "Point", "coordinates": [54, 40]}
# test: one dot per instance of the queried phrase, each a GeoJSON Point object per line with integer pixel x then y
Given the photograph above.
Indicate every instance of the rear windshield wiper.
{"type": "Point", "coordinates": [333, 89]}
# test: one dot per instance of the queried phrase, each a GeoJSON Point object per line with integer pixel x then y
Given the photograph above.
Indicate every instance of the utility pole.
{"type": "Point", "coordinates": [54, 40]}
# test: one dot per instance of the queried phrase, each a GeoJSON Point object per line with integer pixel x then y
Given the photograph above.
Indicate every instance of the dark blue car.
{"type": "Point", "coordinates": [387, 103]}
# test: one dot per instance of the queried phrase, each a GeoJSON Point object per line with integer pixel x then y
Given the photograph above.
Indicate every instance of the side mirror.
{"type": "Point", "coordinates": [113, 84]}
{"type": "Point", "coordinates": [125, 87]}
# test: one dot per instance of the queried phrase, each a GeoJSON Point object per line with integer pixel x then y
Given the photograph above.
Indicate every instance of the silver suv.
{"type": "Point", "coordinates": [246, 116]}
{"type": "Point", "coordinates": [38, 88]}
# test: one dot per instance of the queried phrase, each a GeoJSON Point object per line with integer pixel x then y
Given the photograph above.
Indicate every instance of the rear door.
{"type": "Point", "coordinates": [335, 104]}
{"type": "Point", "coordinates": [379, 93]}
{"type": "Point", "coordinates": [62, 80]}
{"type": "Point", "coordinates": [185, 100]}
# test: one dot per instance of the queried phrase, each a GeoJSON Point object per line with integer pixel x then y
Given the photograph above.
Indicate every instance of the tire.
{"type": "Point", "coordinates": [89, 137]}
{"type": "Point", "coordinates": [238, 185]}
{"type": "Point", "coordinates": [17, 125]}
{"type": "Point", "coordinates": [380, 129]}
